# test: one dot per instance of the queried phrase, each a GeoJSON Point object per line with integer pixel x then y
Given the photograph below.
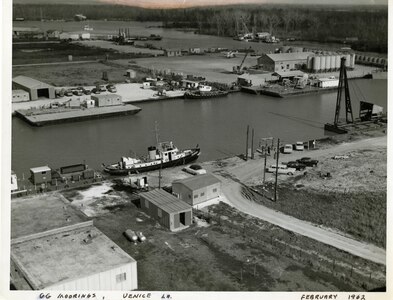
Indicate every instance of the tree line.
{"type": "Point", "coordinates": [323, 24]}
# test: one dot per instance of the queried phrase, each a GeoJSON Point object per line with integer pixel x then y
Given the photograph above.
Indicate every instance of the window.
{"type": "Point", "coordinates": [195, 196]}
{"type": "Point", "coordinates": [43, 172]}
{"type": "Point", "coordinates": [202, 194]}
{"type": "Point", "coordinates": [121, 277]}
{"type": "Point", "coordinates": [214, 190]}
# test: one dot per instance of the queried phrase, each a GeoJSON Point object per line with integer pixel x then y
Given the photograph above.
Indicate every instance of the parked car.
{"type": "Point", "coordinates": [287, 149]}
{"type": "Point", "coordinates": [308, 161]}
{"type": "Point", "coordinates": [194, 170]}
{"type": "Point", "coordinates": [77, 92]}
{"type": "Point", "coordinates": [68, 93]}
{"type": "Point", "coordinates": [101, 88]}
{"type": "Point", "coordinates": [87, 92]}
{"type": "Point", "coordinates": [299, 146]}
{"type": "Point", "coordinates": [95, 91]}
{"type": "Point", "coordinates": [282, 169]}
{"type": "Point", "coordinates": [111, 88]}
{"type": "Point", "coordinates": [298, 166]}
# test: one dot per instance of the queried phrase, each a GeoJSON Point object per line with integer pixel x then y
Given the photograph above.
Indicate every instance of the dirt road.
{"type": "Point", "coordinates": [250, 169]}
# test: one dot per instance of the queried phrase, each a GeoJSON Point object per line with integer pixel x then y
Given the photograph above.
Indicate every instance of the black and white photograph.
{"type": "Point", "coordinates": [178, 149]}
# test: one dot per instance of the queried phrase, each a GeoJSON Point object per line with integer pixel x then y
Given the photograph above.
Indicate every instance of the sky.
{"type": "Point", "coordinates": [191, 3]}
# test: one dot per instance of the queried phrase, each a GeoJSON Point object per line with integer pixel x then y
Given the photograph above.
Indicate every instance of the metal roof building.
{"type": "Point", "coordinates": [283, 61]}
{"type": "Point", "coordinates": [197, 189]}
{"type": "Point", "coordinates": [168, 210]}
{"type": "Point", "coordinates": [35, 88]}
{"type": "Point", "coordinates": [54, 247]}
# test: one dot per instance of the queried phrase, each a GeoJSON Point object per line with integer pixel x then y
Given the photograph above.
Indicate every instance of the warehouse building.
{"type": "Point", "coordinates": [35, 88]}
{"type": "Point", "coordinates": [20, 96]}
{"type": "Point", "coordinates": [63, 250]}
{"type": "Point", "coordinates": [107, 100]}
{"type": "Point", "coordinates": [197, 189]}
{"type": "Point", "coordinates": [283, 61]}
{"type": "Point", "coordinates": [168, 210]}
{"type": "Point", "coordinates": [41, 175]}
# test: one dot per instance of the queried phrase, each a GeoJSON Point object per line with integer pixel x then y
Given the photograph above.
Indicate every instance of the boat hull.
{"type": "Point", "coordinates": [112, 170]}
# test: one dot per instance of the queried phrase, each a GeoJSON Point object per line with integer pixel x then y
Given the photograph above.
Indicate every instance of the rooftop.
{"type": "Point", "coordinates": [289, 56]}
{"type": "Point", "coordinates": [73, 253]}
{"type": "Point", "coordinates": [41, 213]}
{"type": "Point", "coordinates": [30, 82]}
{"type": "Point", "coordinates": [165, 201]}
{"type": "Point", "coordinates": [199, 181]}
{"type": "Point", "coordinates": [40, 169]}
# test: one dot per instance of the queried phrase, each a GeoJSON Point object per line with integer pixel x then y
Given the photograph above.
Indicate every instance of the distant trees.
{"type": "Point", "coordinates": [368, 24]}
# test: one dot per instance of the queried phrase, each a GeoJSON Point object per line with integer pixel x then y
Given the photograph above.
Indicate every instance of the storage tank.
{"type": "Point", "coordinates": [316, 66]}
{"type": "Point", "coordinates": [338, 62]}
{"type": "Point", "coordinates": [328, 62]}
{"type": "Point", "coordinates": [332, 62]}
{"type": "Point", "coordinates": [347, 60]}
{"type": "Point", "coordinates": [353, 59]}
{"type": "Point", "coordinates": [323, 63]}
{"type": "Point", "coordinates": [309, 62]}
{"type": "Point", "coordinates": [152, 152]}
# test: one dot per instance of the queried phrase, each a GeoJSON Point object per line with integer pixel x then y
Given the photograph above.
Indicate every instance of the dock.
{"type": "Point", "coordinates": [41, 117]}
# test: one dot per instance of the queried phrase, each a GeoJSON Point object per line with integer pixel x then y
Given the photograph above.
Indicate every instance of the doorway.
{"type": "Point", "coordinates": [183, 218]}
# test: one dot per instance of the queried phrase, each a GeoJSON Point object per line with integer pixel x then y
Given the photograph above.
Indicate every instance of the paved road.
{"type": "Point", "coordinates": [232, 191]}
{"type": "Point", "coordinates": [57, 63]}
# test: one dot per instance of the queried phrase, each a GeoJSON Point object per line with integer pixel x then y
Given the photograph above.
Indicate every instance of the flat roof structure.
{"type": "Point", "coordinates": [199, 181]}
{"type": "Point", "coordinates": [40, 213]}
{"type": "Point", "coordinates": [165, 201]}
{"type": "Point", "coordinates": [30, 82]}
{"type": "Point", "coordinates": [40, 169]}
{"type": "Point", "coordinates": [289, 56]}
{"type": "Point", "coordinates": [76, 253]}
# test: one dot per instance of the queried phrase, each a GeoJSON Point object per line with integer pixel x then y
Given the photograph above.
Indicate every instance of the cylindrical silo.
{"type": "Point", "coordinates": [332, 62]}
{"type": "Point", "coordinates": [316, 66]}
{"type": "Point", "coordinates": [353, 59]}
{"type": "Point", "coordinates": [328, 62]}
{"type": "Point", "coordinates": [338, 62]}
{"type": "Point", "coordinates": [347, 60]}
{"type": "Point", "coordinates": [323, 63]}
{"type": "Point", "coordinates": [309, 62]}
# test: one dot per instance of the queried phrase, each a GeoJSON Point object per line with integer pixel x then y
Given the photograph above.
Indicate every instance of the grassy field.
{"type": "Point", "coordinates": [33, 53]}
{"type": "Point", "coordinates": [228, 250]}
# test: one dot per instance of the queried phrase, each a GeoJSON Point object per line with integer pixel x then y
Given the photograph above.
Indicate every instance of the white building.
{"type": "Point", "coordinates": [327, 82]}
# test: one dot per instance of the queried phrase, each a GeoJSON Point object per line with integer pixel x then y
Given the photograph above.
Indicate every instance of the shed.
{"type": "Point", "coordinates": [168, 210]}
{"type": "Point", "coordinates": [107, 100]}
{"type": "Point", "coordinates": [41, 175]}
{"type": "Point", "coordinates": [190, 83]}
{"type": "Point", "coordinates": [20, 96]}
{"type": "Point", "coordinates": [35, 88]}
{"type": "Point", "coordinates": [197, 189]}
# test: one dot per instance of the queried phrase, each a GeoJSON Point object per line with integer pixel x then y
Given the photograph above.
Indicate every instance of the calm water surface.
{"type": "Point", "coordinates": [217, 125]}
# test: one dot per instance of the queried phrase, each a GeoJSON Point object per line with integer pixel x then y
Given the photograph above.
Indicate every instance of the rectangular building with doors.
{"type": "Point", "coordinates": [277, 62]}
{"type": "Point", "coordinates": [168, 210]}
{"type": "Point", "coordinates": [197, 189]}
{"type": "Point", "coordinates": [107, 100]}
{"type": "Point", "coordinates": [41, 175]}
{"type": "Point", "coordinates": [35, 88]}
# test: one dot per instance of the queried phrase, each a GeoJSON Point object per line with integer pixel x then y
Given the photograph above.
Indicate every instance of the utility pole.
{"type": "Point", "coordinates": [264, 169]}
{"type": "Point", "coordinates": [277, 155]}
{"type": "Point", "coordinates": [248, 129]}
{"type": "Point", "coordinates": [252, 144]}
{"type": "Point", "coordinates": [159, 175]}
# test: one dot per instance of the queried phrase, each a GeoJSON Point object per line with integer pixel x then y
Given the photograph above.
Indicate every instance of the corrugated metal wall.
{"type": "Point", "coordinates": [103, 281]}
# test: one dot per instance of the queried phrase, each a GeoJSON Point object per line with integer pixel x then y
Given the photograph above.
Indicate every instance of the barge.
{"type": "Point", "coordinates": [41, 117]}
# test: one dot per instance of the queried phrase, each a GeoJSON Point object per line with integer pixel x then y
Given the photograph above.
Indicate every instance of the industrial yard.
{"type": "Point", "coordinates": [197, 203]}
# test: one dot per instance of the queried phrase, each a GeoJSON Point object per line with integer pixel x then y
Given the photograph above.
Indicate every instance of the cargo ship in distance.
{"type": "Point", "coordinates": [164, 155]}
